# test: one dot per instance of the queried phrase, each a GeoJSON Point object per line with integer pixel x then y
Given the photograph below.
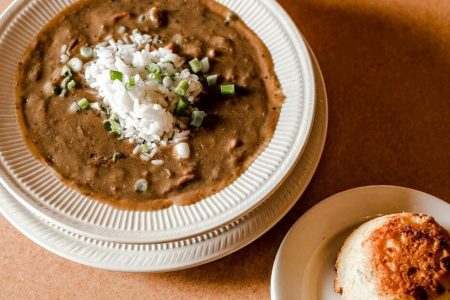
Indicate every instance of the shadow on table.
{"type": "Point", "coordinates": [387, 70]}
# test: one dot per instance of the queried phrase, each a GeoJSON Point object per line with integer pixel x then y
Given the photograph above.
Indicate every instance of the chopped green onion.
{"type": "Point", "coordinates": [83, 103]}
{"type": "Point", "coordinates": [116, 156]}
{"type": "Point", "coordinates": [182, 104]}
{"type": "Point", "coordinates": [106, 110]}
{"type": "Point", "coordinates": [86, 52]}
{"type": "Point", "coordinates": [74, 107]}
{"type": "Point", "coordinates": [112, 126]}
{"type": "Point", "coordinates": [63, 93]}
{"type": "Point", "coordinates": [131, 82]}
{"type": "Point", "coordinates": [197, 118]}
{"type": "Point", "coordinates": [153, 69]}
{"type": "Point", "coordinates": [167, 81]}
{"type": "Point", "coordinates": [95, 106]}
{"type": "Point", "coordinates": [141, 185]}
{"type": "Point", "coordinates": [205, 65]}
{"type": "Point", "coordinates": [116, 75]}
{"type": "Point", "coordinates": [212, 80]}
{"type": "Point", "coordinates": [196, 65]}
{"type": "Point", "coordinates": [182, 87]}
{"type": "Point", "coordinates": [115, 128]}
{"type": "Point", "coordinates": [66, 71]}
{"type": "Point", "coordinates": [114, 117]}
{"type": "Point", "coordinates": [145, 148]}
{"type": "Point", "coordinates": [65, 81]}
{"type": "Point", "coordinates": [156, 76]}
{"type": "Point", "coordinates": [166, 61]}
{"type": "Point", "coordinates": [227, 89]}
{"type": "Point", "coordinates": [71, 85]}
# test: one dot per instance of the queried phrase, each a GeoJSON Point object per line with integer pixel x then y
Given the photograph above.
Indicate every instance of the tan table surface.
{"type": "Point", "coordinates": [386, 64]}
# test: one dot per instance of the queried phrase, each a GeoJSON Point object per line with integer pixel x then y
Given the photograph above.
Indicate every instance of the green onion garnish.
{"type": "Point", "coordinates": [71, 85]}
{"type": "Point", "coordinates": [145, 148]}
{"type": "Point", "coordinates": [196, 65]}
{"type": "Point", "coordinates": [106, 110]}
{"type": "Point", "coordinates": [114, 117]}
{"type": "Point", "coordinates": [95, 106]}
{"type": "Point", "coordinates": [167, 81]}
{"type": "Point", "coordinates": [112, 126]}
{"type": "Point", "coordinates": [65, 81]}
{"type": "Point", "coordinates": [171, 75]}
{"type": "Point", "coordinates": [227, 89]}
{"type": "Point", "coordinates": [66, 71]}
{"type": "Point", "coordinates": [182, 88]}
{"type": "Point", "coordinates": [153, 69]}
{"type": "Point", "coordinates": [197, 118]}
{"type": "Point", "coordinates": [182, 104]}
{"type": "Point", "coordinates": [83, 103]}
{"type": "Point", "coordinates": [116, 156]}
{"type": "Point", "coordinates": [74, 107]}
{"type": "Point", "coordinates": [212, 80]}
{"type": "Point", "coordinates": [115, 128]}
{"type": "Point", "coordinates": [156, 76]}
{"type": "Point", "coordinates": [116, 75]}
{"type": "Point", "coordinates": [205, 64]}
{"type": "Point", "coordinates": [63, 93]}
{"type": "Point", "coordinates": [86, 52]}
{"type": "Point", "coordinates": [166, 61]}
{"type": "Point", "coordinates": [131, 82]}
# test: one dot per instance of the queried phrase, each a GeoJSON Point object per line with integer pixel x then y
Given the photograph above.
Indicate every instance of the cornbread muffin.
{"type": "Point", "coordinates": [395, 257]}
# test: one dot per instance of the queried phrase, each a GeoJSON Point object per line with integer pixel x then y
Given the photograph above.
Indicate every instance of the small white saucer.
{"type": "Point", "coordinates": [304, 265]}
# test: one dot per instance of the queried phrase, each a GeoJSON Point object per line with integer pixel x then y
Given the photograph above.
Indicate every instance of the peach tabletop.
{"type": "Point", "coordinates": [386, 64]}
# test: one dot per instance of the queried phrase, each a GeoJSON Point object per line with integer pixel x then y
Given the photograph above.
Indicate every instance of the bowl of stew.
{"type": "Point", "coordinates": [148, 121]}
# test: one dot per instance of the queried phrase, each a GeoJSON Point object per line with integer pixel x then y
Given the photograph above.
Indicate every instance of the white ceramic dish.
{"type": "Point", "coordinates": [41, 192]}
{"type": "Point", "coordinates": [304, 265]}
{"type": "Point", "coordinates": [184, 253]}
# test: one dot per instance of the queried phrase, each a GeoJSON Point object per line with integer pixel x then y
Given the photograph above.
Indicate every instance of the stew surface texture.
{"type": "Point", "coordinates": [235, 129]}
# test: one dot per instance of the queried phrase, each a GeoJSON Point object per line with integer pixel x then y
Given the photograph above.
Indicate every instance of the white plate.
{"type": "Point", "coordinates": [188, 252]}
{"type": "Point", "coordinates": [304, 265]}
{"type": "Point", "coordinates": [41, 192]}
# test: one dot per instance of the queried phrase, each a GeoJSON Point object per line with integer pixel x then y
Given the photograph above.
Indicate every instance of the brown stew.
{"type": "Point", "coordinates": [79, 149]}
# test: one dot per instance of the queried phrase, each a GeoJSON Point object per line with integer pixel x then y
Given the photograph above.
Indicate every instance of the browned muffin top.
{"type": "Point", "coordinates": [411, 256]}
